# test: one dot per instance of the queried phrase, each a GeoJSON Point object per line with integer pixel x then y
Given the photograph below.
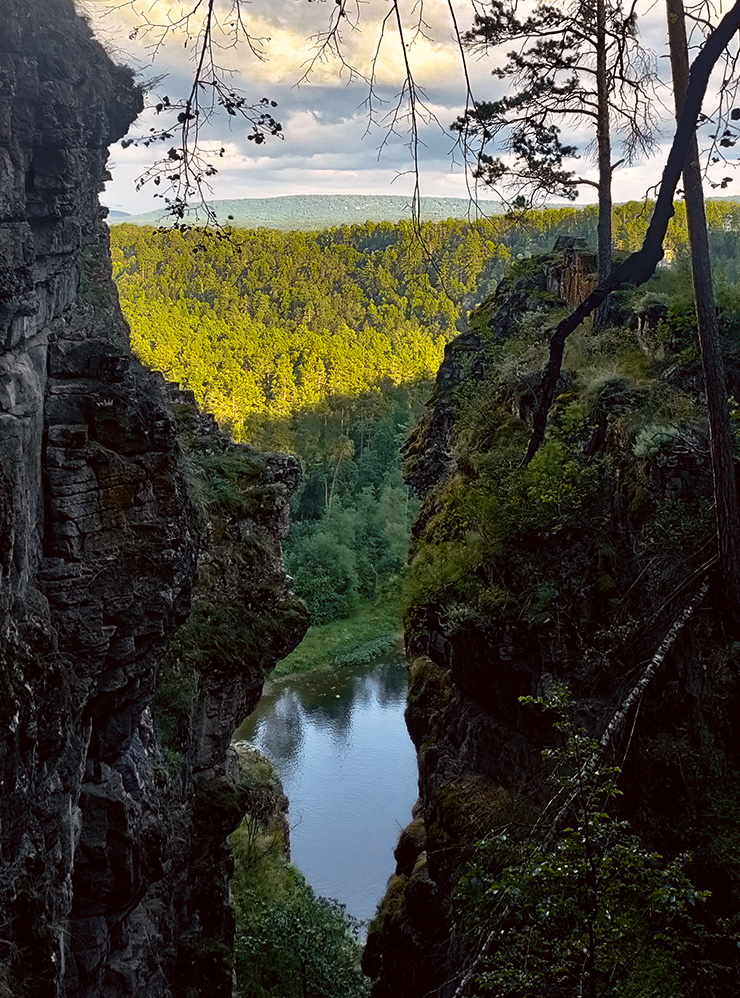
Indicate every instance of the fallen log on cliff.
{"type": "Point", "coordinates": [620, 715]}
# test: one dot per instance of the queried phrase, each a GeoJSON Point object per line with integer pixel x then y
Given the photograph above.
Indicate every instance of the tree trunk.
{"type": "Point", "coordinates": [604, 155]}
{"type": "Point", "coordinates": [720, 433]}
{"type": "Point", "coordinates": [640, 266]}
{"type": "Point", "coordinates": [330, 500]}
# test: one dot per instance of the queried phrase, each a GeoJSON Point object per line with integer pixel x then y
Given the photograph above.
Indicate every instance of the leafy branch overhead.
{"type": "Point", "coordinates": [580, 64]}
{"type": "Point", "coordinates": [208, 28]}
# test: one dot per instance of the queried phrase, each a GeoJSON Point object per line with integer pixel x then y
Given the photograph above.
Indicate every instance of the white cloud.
{"type": "Point", "coordinates": [288, 35]}
{"type": "Point", "coordinates": [325, 147]}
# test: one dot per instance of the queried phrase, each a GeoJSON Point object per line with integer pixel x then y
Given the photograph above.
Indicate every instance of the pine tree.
{"type": "Point", "coordinates": [580, 63]}
{"type": "Point", "coordinates": [720, 433]}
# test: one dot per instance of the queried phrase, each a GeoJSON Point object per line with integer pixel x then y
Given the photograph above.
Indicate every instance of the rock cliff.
{"type": "Point", "coordinates": [113, 865]}
{"type": "Point", "coordinates": [572, 571]}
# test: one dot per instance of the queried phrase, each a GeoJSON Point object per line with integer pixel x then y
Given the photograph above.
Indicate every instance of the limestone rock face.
{"type": "Point", "coordinates": [572, 274]}
{"type": "Point", "coordinates": [104, 876]}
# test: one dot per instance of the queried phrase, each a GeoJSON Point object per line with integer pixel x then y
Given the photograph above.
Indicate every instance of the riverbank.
{"type": "Point", "coordinates": [372, 630]}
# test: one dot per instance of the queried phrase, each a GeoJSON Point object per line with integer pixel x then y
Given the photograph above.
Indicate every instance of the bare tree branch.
{"type": "Point", "coordinates": [208, 27]}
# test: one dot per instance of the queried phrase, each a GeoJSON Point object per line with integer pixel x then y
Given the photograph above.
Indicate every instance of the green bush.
{"type": "Point", "coordinates": [290, 943]}
{"type": "Point", "coordinates": [580, 910]}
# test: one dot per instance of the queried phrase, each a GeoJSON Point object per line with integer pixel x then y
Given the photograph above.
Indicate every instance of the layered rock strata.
{"type": "Point", "coordinates": [113, 866]}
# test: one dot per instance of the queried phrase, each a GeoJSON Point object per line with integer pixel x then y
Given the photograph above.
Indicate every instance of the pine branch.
{"type": "Point", "coordinates": [640, 266]}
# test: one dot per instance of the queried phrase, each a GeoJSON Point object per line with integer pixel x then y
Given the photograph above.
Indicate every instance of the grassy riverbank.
{"type": "Point", "coordinates": [371, 630]}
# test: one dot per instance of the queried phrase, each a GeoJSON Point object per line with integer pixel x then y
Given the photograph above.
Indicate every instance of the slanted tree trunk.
{"type": "Point", "coordinates": [640, 266]}
{"type": "Point", "coordinates": [723, 471]}
{"type": "Point", "coordinates": [604, 156]}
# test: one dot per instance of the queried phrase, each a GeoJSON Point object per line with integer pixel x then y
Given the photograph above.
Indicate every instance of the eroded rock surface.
{"type": "Point", "coordinates": [113, 866]}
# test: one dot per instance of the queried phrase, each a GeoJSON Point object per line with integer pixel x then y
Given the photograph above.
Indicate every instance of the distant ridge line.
{"type": "Point", "coordinates": [311, 212]}
{"type": "Point", "coordinates": [320, 211]}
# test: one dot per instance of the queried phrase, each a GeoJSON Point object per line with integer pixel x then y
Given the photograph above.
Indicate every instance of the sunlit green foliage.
{"type": "Point", "coordinates": [266, 322]}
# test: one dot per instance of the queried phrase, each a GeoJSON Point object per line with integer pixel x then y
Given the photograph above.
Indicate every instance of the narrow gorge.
{"type": "Point", "coordinates": [574, 676]}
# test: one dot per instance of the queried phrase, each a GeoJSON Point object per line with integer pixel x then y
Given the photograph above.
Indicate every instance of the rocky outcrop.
{"type": "Point", "coordinates": [426, 453]}
{"type": "Point", "coordinates": [113, 865]}
{"type": "Point", "coordinates": [571, 275]}
{"type": "Point", "coordinates": [517, 585]}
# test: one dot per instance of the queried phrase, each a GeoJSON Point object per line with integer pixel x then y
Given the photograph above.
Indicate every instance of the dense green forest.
{"type": "Point", "coordinates": [323, 344]}
{"type": "Point", "coordinates": [261, 323]}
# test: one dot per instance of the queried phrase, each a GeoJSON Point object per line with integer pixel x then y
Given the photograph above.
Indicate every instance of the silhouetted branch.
{"type": "Point", "coordinates": [208, 27]}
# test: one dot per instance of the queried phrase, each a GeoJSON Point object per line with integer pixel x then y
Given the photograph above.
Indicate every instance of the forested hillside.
{"type": "Point", "coordinates": [262, 323]}
{"type": "Point", "coordinates": [323, 344]}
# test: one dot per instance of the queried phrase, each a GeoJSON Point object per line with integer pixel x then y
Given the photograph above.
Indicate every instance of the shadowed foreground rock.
{"type": "Point", "coordinates": [113, 866]}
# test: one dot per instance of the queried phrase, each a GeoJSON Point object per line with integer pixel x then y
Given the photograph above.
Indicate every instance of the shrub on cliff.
{"type": "Point", "coordinates": [584, 910]}
{"type": "Point", "coordinates": [304, 946]}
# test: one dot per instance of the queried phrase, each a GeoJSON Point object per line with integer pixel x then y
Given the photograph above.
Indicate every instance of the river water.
{"type": "Point", "coordinates": [347, 764]}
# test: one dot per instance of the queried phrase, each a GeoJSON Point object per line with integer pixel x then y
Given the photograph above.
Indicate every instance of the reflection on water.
{"type": "Point", "coordinates": [348, 767]}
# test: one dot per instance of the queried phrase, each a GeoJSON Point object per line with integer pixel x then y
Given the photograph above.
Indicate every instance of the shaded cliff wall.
{"type": "Point", "coordinates": [572, 571]}
{"type": "Point", "coordinates": [113, 867]}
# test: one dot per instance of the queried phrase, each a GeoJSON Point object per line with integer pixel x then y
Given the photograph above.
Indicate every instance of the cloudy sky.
{"type": "Point", "coordinates": [332, 144]}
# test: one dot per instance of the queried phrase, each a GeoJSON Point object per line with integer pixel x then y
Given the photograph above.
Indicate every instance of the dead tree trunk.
{"type": "Point", "coordinates": [720, 433]}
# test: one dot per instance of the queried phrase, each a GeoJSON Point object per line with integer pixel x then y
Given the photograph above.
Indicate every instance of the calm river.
{"type": "Point", "coordinates": [347, 764]}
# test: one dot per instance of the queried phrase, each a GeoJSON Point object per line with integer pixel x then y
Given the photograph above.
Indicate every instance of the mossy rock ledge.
{"type": "Point", "coordinates": [568, 571]}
